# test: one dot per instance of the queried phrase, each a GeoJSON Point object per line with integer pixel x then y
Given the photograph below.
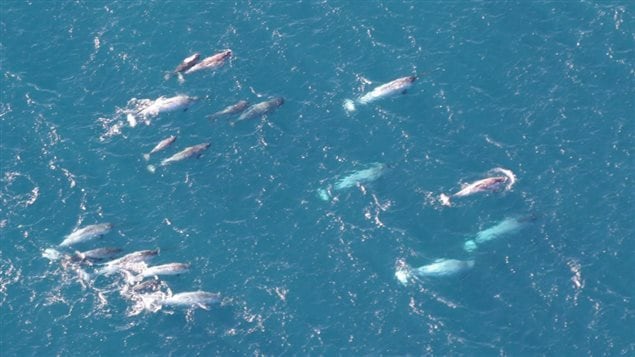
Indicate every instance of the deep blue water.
{"type": "Point", "coordinates": [545, 89]}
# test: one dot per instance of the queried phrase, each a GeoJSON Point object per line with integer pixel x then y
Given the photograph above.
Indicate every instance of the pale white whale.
{"type": "Point", "coordinates": [199, 298]}
{"type": "Point", "coordinates": [369, 174]}
{"type": "Point", "coordinates": [505, 227]}
{"type": "Point", "coordinates": [438, 268]}
{"type": "Point", "coordinates": [153, 108]}
{"type": "Point", "coordinates": [399, 85]}
{"type": "Point", "coordinates": [154, 301]}
{"type": "Point", "coordinates": [86, 233]}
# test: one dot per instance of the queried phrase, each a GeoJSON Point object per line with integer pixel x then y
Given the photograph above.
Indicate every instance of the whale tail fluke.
{"type": "Point", "coordinates": [84, 277]}
{"type": "Point", "coordinates": [132, 120]}
{"type": "Point", "coordinates": [52, 254]}
{"type": "Point", "coordinates": [130, 278]}
{"type": "Point", "coordinates": [180, 78]}
{"type": "Point", "coordinates": [151, 168]}
{"type": "Point", "coordinates": [403, 274]}
{"type": "Point", "coordinates": [146, 157]}
{"type": "Point", "coordinates": [349, 105]}
{"type": "Point", "coordinates": [324, 194]}
{"type": "Point", "coordinates": [470, 246]}
{"type": "Point", "coordinates": [445, 200]}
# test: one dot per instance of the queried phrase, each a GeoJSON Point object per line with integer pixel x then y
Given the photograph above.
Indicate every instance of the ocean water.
{"type": "Point", "coordinates": [545, 89]}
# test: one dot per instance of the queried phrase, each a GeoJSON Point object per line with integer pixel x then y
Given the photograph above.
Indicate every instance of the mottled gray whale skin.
{"type": "Point", "coordinates": [211, 62]}
{"type": "Point", "coordinates": [162, 145]}
{"type": "Point", "coordinates": [492, 183]}
{"type": "Point", "coordinates": [261, 109]}
{"type": "Point", "coordinates": [192, 151]}
{"type": "Point", "coordinates": [134, 261]}
{"type": "Point", "coordinates": [187, 63]}
{"type": "Point", "coordinates": [96, 254]}
{"type": "Point", "coordinates": [230, 110]}
{"type": "Point", "coordinates": [159, 270]}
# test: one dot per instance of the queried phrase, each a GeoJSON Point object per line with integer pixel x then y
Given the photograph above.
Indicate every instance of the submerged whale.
{"type": "Point", "coordinates": [369, 174]}
{"type": "Point", "coordinates": [494, 183]}
{"type": "Point", "coordinates": [155, 300]}
{"type": "Point", "coordinates": [199, 298]}
{"type": "Point", "coordinates": [230, 110]}
{"type": "Point", "coordinates": [439, 268]}
{"type": "Point", "coordinates": [86, 233]}
{"type": "Point", "coordinates": [399, 85]}
{"type": "Point", "coordinates": [505, 227]}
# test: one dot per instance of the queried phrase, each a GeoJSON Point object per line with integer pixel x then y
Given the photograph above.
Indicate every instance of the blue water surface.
{"type": "Point", "coordinates": [545, 89]}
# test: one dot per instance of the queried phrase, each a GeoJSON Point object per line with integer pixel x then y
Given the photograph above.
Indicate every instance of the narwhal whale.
{"type": "Point", "coordinates": [399, 85]}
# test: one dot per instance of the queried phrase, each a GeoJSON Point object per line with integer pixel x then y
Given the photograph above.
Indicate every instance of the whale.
{"type": "Point", "coordinates": [443, 267]}
{"type": "Point", "coordinates": [186, 64]}
{"type": "Point", "coordinates": [96, 254]}
{"type": "Point", "coordinates": [157, 270]}
{"type": "Point", "coordinates": [86, 233]}
{"type": "Point", "coordinates": [199, 298]}
{"type": "Point", "coordinates": [492, 184]}
{"type": "Point", "coordinates": [52, 254]}
{"type": "Point", "coordinates": [191, 151]}
{"type": "Point", "coordinates": [160, 146]}
{"type": "Point", "coordinates": [369, 174]}
{"type": "Point", "coordinates": [506, 227]}
{"type": "Point", "coordinates": [163, 144]}
{"type": "Point", "coordinates": [154, 301]}
{"type": "Point", "coordinates": [135, 261]}
{"type": "Point", "coordinates": [438, 268]}
{"type": "Point", "coordinates": [230, 110]}
{"type": "Point", "coordinates": [260, 109]}
{"type": "Point", "coordinates": [167, 104]}
{"type": "Point", "coordinates": [399, 85]}
{"type": "Point", "coordinates": [212, 62]}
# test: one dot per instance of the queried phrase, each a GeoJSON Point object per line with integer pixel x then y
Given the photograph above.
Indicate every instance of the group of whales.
{"type": "Point", "coordinates": [149, 295]}
{"type": "Point", "coordinates": [146, 109]}
{"type": "Point", "coordinates": [498, 179]}
{"type": "Point", "coordinates": [152, 295]}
